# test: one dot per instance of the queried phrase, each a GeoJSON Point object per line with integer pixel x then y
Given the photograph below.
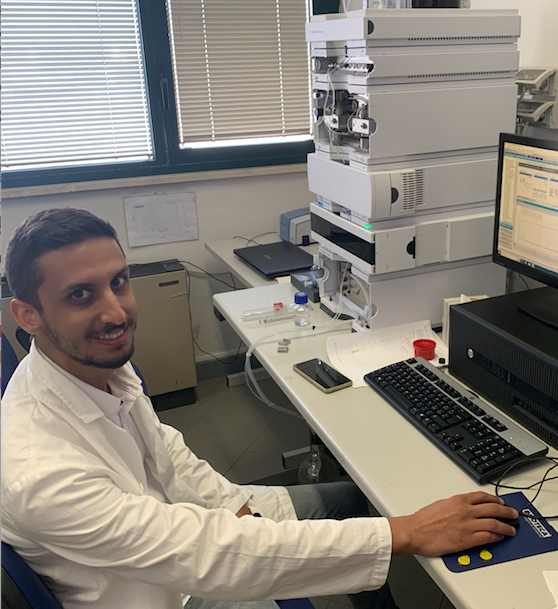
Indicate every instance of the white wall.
{"type": "Point", "coordinates": [538, 45]}
{"type": "Point", "coordinates": [244, 206]}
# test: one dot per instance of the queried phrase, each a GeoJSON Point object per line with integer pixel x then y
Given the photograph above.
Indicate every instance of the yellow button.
{"type": "Point", "coordinates": [464, 560]}
{"type": "Point", "coordinates": [485, 555]}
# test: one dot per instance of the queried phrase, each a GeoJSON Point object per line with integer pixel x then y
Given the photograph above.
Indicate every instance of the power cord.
{"type": "Point", "coordinates": [234, 287]}
{"type": "Point", "coordinates": [498, 485]}
{"type": "Point", "coordinates": [253, 239]}
{"type": "Point", "coordinates": [524, 281]}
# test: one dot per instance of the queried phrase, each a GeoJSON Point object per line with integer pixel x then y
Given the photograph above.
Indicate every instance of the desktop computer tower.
{"type": "Point", "coordinates": [509, 358]}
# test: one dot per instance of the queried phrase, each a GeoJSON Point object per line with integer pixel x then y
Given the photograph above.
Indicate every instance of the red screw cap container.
{"type": "Point", "coordinates": [424, 347]}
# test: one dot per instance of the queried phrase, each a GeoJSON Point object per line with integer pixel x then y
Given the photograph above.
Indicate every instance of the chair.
{"type": "Point", "coordinates": [9, 362]}
{"type": "Point", "coordinates": [22, 588]}
{"type": "Point", "coordinates": [23, 338]}
{"type": "Point", "coordinates": [141, 378]}
{"type": "Point", "coordinates": [295, 603]}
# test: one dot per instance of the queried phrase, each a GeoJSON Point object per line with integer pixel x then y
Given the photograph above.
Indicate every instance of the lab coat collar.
{"type": "Point", "coordinates": [60, 387]}
{"type": "Point", "coordinates": [108, 403]}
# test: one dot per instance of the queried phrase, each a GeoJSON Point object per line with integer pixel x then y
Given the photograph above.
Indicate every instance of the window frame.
{"type": "Point", "coordinates": [169, 158]}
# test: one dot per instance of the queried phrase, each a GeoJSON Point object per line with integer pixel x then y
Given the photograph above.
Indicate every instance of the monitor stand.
{"type": "Point", "coordinates": [545, 309]}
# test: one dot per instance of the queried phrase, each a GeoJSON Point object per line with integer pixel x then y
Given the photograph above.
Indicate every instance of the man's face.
{"type": "Point", "coordinates": [89, 309]}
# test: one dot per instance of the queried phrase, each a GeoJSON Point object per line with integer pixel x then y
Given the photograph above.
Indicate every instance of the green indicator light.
{"type": "Point", "coordinates": [368, 226]}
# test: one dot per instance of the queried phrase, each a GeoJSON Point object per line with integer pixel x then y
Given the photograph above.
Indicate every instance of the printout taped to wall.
{"type": "Point", "coordinates": [161, 218]}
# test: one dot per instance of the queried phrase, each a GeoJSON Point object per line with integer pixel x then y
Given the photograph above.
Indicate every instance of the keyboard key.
{"type": "Point", "coordinates": [466, 455]}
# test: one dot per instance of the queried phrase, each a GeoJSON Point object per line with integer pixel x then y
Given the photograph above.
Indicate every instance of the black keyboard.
{"type": "Point", "coordinates": [475, 436]}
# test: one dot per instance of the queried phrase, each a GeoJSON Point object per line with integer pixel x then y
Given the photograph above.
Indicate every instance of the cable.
{"type": "Point", "coordinates": [339, 303]}
{"type": "Point", "coordinates": [210, 275]}
{"type": "Point", "coordinates": [330, 131]}
{"type": "Point", "coordinates": [253, 239]}
{"type": "Point", "coordinates": [269, 232]}
{"type": "Point", "coordinates": [215, 357]}
{"type": "Point", "coordinates": [245, 239]}
{"type": "Point", "coordinates": [524, 281]}
{"type": "Point", "coordinates": [257, 391]}
{"type": "Point", "coordinates": [190, 311]}
{"type": "Point", "coordinates": [364, 287]}
{"type": "Point", "coordinates": [248, 372]}
{"type": "Point", "coordinates": [540, 483]}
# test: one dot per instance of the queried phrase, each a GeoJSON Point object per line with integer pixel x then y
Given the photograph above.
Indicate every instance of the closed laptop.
{"type": "Point", "coordinates": [275, 259]}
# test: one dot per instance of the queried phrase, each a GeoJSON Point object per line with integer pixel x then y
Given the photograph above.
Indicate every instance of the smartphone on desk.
{"type": "Point", "coordinates": [322, 375]}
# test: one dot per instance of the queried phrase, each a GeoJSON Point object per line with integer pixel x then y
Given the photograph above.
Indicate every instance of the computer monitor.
{"type": "Point", "coordinates": [526, 219]}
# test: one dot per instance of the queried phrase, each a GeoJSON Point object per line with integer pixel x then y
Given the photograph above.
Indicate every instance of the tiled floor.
{"type": "Point", "coordinates": [243, 439]}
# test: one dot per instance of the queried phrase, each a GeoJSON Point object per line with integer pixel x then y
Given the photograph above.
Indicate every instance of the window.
{"type": "Point", "coordinates": [94, 89]}
{"type": "Point", "coordinates": [73, 83]}
{"type": "Point", "coordinates": [240, 70]}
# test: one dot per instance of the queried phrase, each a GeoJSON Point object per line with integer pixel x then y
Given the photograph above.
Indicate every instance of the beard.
{"type": "Point", "coordinates": [71, 348]}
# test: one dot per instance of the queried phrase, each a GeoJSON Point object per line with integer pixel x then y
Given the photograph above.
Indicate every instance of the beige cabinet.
{"type": "Point", "coordinates": [164, 350]}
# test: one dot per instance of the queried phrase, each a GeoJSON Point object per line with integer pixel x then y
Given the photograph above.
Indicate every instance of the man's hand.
{"type": "Point", "coordinates": [244, 511]}
{"type": "Point", "coordinates": [452, 525]}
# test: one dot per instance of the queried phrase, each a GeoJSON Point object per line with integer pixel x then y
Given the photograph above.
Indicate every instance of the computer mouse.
{"type": "Point", "coordinates": [514, 522]}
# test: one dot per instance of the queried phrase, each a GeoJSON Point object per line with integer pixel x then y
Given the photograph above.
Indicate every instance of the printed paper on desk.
{"type": "Point", "coordinates": [551, 578]}
{"type": "Point", "coordinates": [357, 354]}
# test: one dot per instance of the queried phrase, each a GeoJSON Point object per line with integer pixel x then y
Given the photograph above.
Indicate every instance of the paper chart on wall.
{"type": "Point", "coordinates": [357, 354]}
{"type": "Point", "coordinates": [161, 218]}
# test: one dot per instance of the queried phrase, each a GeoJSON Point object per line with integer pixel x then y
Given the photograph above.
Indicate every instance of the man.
{"type": "Point", "coordinates": [110, 506]}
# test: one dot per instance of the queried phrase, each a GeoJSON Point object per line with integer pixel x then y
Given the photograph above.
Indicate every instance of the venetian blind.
{"type": "Point", "coordinates": [73, 83]}
{"type": "Point", "coordinates": [240, 69]}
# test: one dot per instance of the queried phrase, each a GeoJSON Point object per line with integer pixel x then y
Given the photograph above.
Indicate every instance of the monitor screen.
{"type": "Point", "coordinates": [526, 227]}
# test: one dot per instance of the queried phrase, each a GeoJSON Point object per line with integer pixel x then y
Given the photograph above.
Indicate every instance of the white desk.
{"type": "Point", "coordinates": [224, 251]}
{"type": "Point", "coordinates": [393, 463]}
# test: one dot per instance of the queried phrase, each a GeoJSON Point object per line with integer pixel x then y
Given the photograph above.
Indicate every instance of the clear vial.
{"type": "Point", "coordinates": [301, 309]}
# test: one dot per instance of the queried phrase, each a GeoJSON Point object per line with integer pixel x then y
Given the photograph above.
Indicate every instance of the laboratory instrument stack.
{"type": "Point", "coordinates": [408, 106]}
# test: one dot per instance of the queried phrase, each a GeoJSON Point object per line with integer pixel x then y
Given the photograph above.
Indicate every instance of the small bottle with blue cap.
{"type": "Point", "coordinates": [302, 309]}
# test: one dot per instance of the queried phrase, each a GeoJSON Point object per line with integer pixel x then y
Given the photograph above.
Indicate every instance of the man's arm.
{"type": "Point", "coordinates": [452, 525]}
{"type": "Point", "coordinates": [78, 513]}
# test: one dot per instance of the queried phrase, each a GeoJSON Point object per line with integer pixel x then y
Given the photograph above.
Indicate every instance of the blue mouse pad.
{"type": "Point", "coordinates": [532, 537]}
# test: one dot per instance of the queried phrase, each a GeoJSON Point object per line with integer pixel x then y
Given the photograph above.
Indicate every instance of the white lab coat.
{"type": "Point", "coordinates": [75, 506]}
